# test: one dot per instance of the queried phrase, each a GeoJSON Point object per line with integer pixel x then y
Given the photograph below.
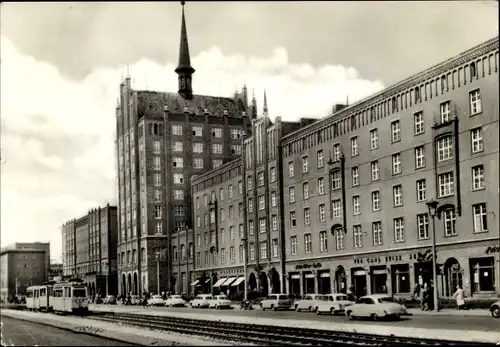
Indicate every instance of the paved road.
{"type": "Point", "coordinates": [22, 333]}
{"type": "Point", "coordinates": [478, 323]}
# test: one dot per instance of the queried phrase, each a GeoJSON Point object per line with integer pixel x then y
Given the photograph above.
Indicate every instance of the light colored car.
{"type": "Point", "coordinates": [201, 301]}
{"type": "Point", "coordinates": [333, 304]}
{"type": "Point", "coordinates": [109, 300]}
{"type": "Point", "coordinates": [175, 301]}
{"type": "Point", "coordinates": [220, 301]}
{"type": "Point", "coordinates": [308, 303]}
{"type": "Point", "coordinates": [156, 300]}
{"type": "Point", "coordinates": [495, 309]}
{"type": "Point", "coordinates": [376, 306]}
{"type": "Point", "coordinates": [276, 302]}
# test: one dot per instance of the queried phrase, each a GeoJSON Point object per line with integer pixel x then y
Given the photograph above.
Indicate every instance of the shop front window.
{"type": "Point", "coordinates": [294, 284]}
{"type": "Point", "coordinates": [324, 283]}
{"type": "Point", "coordinates": [359, 281]}
{"type": "Point", "coordinates": [483, 274]}
{"type": "Point", "coordinates": [378, 280]}
{"type": "Point", "coordinates": [309, 283]}
{"type": "Point", "coordinates": [400, 276]}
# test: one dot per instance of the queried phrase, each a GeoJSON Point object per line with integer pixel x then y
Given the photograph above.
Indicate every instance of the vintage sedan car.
{"type": "Point", "coordinates": [333, 304]}
{"type": "Point", "coordinates": [175, 301]}
{"type": "Point", "coordinates": [219, 302]}
{"type": "Point", "coordinates": [109, 300]}
{"type": "Point", "coordinates": [495, 309]}
{"type": "Point", "coordinates": [156, 300]}
{"type": "Point", "coordinates": [309, 302]}
{"type": "Point", "coordinates": [376, 306]}
{"type": "Point", "coordinates": [276, 302]}
{"type": "Point", "coordinates": [201, 301]}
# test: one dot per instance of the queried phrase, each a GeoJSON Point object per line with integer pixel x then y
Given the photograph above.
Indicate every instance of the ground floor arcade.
{"type": "Point", "coordinates": [473, 266]}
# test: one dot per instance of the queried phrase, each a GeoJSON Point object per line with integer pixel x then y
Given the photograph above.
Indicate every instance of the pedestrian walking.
{"type": "Point", "coordinates": [460, 298]}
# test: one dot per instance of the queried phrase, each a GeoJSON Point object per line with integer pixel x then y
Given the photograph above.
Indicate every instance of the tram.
{"type": "Point", "coordinates": [37, 298]}
{"type": "Point", "coordinates": [69, 297]}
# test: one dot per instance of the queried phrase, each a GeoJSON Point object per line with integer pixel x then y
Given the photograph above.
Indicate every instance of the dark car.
{"type": "Point", "coordinates": [495, 309]}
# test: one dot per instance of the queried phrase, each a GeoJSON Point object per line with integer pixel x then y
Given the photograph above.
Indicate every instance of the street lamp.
{"type": "Point", "coordinates": [106, 266]}
{"type": "Point", "coordinates": [245, 266]}
{"type": "Point", "coordinates": [158, 273]}
{"type": "Point", "coordinates": [432, 206]}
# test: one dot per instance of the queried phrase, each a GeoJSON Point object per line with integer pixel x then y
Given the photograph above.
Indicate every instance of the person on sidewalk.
{"type": "Point", "coordinates": [424, 298]}
{"type": "Point", "coordinates": [460, 297]}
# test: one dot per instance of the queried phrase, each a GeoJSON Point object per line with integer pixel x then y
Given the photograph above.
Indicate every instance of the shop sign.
{"type": "Point", "coordinates": [422, 257]}
{"type": "Point", "coordinates": [308, 266]}
{"type": "Point", "coordinates": [492, 249]}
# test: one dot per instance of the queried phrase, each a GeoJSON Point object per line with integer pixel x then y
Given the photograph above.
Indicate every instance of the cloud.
{"type": "Point", "coordinates": [58, 134]}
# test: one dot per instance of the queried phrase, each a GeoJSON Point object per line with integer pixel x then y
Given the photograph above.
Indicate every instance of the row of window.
{"type": "Point", "coordinates": [197, 131]}
{"type": "Point", "coordinates": [446, 187]}
{"type": "Point", "coordinates": [480, 225]}
{"type": "Point", "coordinates": [211, 258]}
{"type": "Point", "coordinates": [444, 148]}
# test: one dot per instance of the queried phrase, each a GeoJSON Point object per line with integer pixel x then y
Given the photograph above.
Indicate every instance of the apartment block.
{"type": "Point", "coordinates": [89, 249]}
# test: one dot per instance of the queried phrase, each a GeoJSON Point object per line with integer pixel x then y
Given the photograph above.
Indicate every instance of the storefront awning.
{"type": "Point", "coordinates": [238, 281]}
{"type": "Point", "coordinates": [309, 275]}
{"type": "Point", "coordinates": [296, 277]}
{"type": "Point", "coordinates": [228, 281]}
{"type": "Point", "coordinates": [324, 274]}
{"type": "Point", "coordinates": [195, 283]}
{"type": "Point", "coordinates": [220, 281]}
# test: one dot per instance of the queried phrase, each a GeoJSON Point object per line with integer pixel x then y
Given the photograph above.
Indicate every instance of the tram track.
{"type": "Point", "coordinates": [263, 334]}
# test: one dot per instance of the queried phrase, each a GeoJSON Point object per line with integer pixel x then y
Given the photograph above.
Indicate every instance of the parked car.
{"type": "Point", "coordinates": [333, 304]}
{"type": "Point", "coordinates": [201, 301]}
{"type": "Point", "coordinates": [156, 300]}
{"type": "Point", "coordinates": [376, 306]}
{"type": "Point", "coordinates": [175, 301]}
{"type": "Point", "coordinates": [276, 302]}
{"type": "Point", "coordinates": [495, 309]}
{"type": "Point", "coordinates": [309, 302]}
{"type": "Point", "coordinates": [220, 301]}
{"type": "Point", "coordinates": [109, 300]}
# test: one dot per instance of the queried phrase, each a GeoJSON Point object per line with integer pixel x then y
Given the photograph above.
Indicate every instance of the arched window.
{"type": "Point", "coordinates": [155, 129]}
{"type": "Point", "coordinates": [183, 251]}
{"type": "Point", "coordinates": [174, 251]}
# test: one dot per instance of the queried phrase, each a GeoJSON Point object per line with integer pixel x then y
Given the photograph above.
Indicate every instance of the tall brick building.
{"type": "Point", "coordinates": [347, 206]}
{"type": "Point", "coordinates": [238, 204]}
{"type": "Point", "coordinates": [89, 249]}
{"type": "Point", "coordinates": [164, 139]}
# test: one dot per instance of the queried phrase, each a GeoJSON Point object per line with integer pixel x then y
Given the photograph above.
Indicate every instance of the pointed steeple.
{"type": "Point", "coordinates": [265, 103]}
{"type": "Point", "coordinates": [254, 106]}
{"type": "Point", "coordinates": [184, 70]}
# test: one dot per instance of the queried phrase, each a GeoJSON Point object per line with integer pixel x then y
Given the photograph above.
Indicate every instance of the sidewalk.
{"type": "Point", "coordinates": [450, 312]}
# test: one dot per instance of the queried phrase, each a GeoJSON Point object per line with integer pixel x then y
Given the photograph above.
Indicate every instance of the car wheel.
{"type": "Point", "coordinates": [310, 309]}
{"type": "Point", "coordinates": [332, 311]}
{"type": "Point", "coordinates": [318, 312]}
{"type": "Point", "coordinates": [351, 316]}
{"type": "Point", "coordinates": [297, 308]}
{"type": "Point", "coordinates": [262, 307]}
{"type": "Point", "coordinates": [495, 312]}
{"type": "Point", "coordinates": [374, 317]}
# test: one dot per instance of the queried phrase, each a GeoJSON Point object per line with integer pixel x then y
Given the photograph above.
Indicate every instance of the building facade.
{"type": "Point", "coordinates": [89, 249]}
{"type": "Point", "coordinates": [347, 205]}
{"type": "Point", "coordinates": [356, 186]}
{"type": "Point", "coordinates": [164, 139]}
{"type": "Point", "coordinates": [23, 265]}
{"type": "Point", "coordinates": [55, 271]}
{"type": "Point", "coordinates": [236, 212]}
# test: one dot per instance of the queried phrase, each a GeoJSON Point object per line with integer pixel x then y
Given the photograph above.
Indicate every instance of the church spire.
{"type": "Point", "coordinates": [184, 70]}
{"type": "Point", "coordinates": [265, 103]}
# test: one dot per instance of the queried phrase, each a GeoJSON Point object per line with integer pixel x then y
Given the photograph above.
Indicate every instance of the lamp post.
{"type": "Point", "coordinates": [432, 206]}
{"type": "Point", "coordinates": [245, 266]}
{"type": "Point", "coordinates": [157, 273]}
{"type": "Point", "coordinates": [106, 265]}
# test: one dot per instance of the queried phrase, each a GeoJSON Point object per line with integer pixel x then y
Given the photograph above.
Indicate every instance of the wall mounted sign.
{"type": "Point", "coordinates": [308, 266]}
{"type": "Point", "coordinates": [492, 249]}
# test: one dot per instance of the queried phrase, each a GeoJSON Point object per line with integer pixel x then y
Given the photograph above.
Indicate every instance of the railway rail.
{"type": "Point", "coordinates": [275, 335]}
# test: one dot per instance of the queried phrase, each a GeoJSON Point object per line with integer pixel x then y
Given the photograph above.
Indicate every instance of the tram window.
{"type": "Point", "coordinates": [29, 293]}
{"type": "Point", "coordinates": [42, 292]}
{"type": "Point", "coordinates": [36, 293]}
{"type": "Point", "coordinates": [69, 292]}
{"type": "Point", "coordinates": [79, 293]}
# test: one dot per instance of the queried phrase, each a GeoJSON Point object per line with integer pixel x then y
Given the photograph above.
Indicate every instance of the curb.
{"type": "Point", "coordinates": [75, 331]}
